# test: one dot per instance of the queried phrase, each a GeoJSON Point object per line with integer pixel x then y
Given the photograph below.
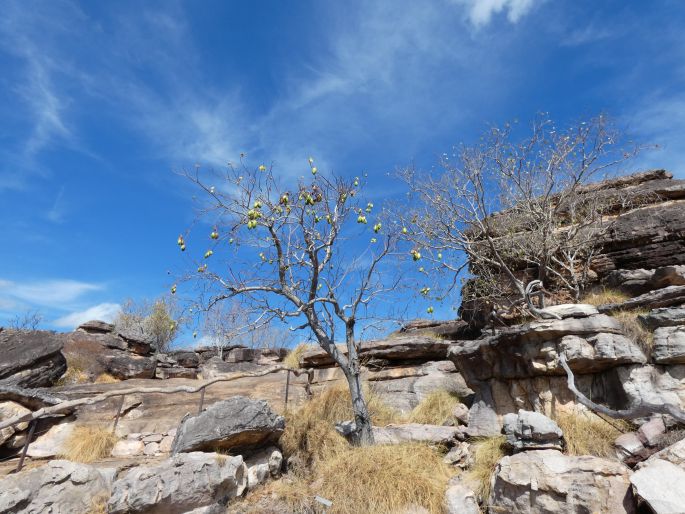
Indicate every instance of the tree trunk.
{"type": "Point", "coordinates": [362, 419]}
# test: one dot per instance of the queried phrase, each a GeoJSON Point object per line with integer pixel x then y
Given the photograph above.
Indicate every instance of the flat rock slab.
{"type": "Point", "coordinates": [661, 485]}
{"type": "Point", "coordinates": [664, 317]}
{"type": "Point", "coordinates": [238, 424]}
{"type": "Point", "coordinates": [529, 430]}
{"type": "Point", "coordinates": [669, 345]}
{"type": "Point", "coordinates": [31, 358]}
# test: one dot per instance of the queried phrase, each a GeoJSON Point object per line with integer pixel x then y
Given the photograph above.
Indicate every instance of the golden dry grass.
{"type": "Point", "coordinates": [99, 504]}
{"type": "Point", "coordinates": [292, 360]}
{"type": "Point", "coordinates": [435, 409]}
{"type": "Point", "coordinates": [105, 378]}
{"type": "Point", "coordinates": [487, 452]}
{"type": "Point", "coordinates": [635, 330]}
{"type": "Point", "coordinates": [604, 296]}
{"type": "Point", "coordinates": [586, 433]}
{"type": "Point", "coordinates": [73, 375]}
{"type": "Point", "coordinates": [310, 429]}
{"type": "Point", "coordinates": [88, 443]}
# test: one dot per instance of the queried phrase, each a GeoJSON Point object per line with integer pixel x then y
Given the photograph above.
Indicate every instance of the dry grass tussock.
{"type": "Point", "coordinates": [73, 375]}
{"type": "Point", "coordinates": [105, 378]}
{"type": "Point", "coordinates": [635, 330]}
{"type": "Point", "coordinates": [487, 452]}
{"type": "Point", "coordinates": [435, 409]}
{"type": "Point", "coordinates": [586, 433]}
{"type": "Point", "coordinates": [310, 429]}
{"type": "Point", "coordinates": [604, 296]}
{"type": "Point", "coordinates": [99, 504]}
{"type": "Point", "coordinates": [88, 443]}
{"type": "Point", "coordinates": [292, 360]}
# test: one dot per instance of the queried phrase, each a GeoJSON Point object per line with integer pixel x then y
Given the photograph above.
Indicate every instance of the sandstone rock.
{"type": "Point", "coordinates": [675, 454]}
{"type": "Point", "coordinates": [450, 329]}
{"type": "Point", "coordinates": [166, 444]}
{"type": "Point", "coordinates": [664, 317]}
{"type": "Point", "coordinates": [10, 410]}
{"type": "Point", "coordinates": [137, 337]}
{"type": "Point", "coordinates": [187, 359]}
{"type": "Point", "coordinates": [461, 413]}
{"type": "Point", "coordinates": [31, 358]}
{"type": "Point", "coordinates": [652, 384]}
{"type": "Point", "coordinates": [651, 432]}
{"type": "Point", "coordinates": [59, 487]}
{"type": "Point", "coordinates": [96, 327]}
{"type": "Point", "coordinates": [459, 456]}
{"type": "Point", "coordinates": [630, 449]}
{"type": "Point", "coordinates": [152, 438]}
{"type": "Point", "coordinates": [151, 449]}
{"type": "Point", "coordinates": [128, 448]}
{"type": "Point", "coordinates": [665, 297]}
{"type": "Point", "coordinates": [572, 310]}
{"type": "Point", "coordinates": [669, 345]}
{"type": "Point", "coordinates": [632, 281]}
{"type": "Point", "coordinates": [238, 424]}
{"type": "Point", "coordinates": [459, 499]}
{"type": "Point", "coordinates": [483, 420]}
{"type": "Point", "coordinates": [668, 276]}
{"type": "Point", "coordinates": [661, 485]}
{"type": "Point", "coordinates": [415, 432]}
{"type": "Point", "coordinates": [50, 444]}
{"type": "Point", "coordinates": [545, 481]}
{"type": "Point", "coordinates": [256, 475]}
{"type": "Point", "coordinates": [215, 367]}
{"type": "Point", "coordinates": [180, 484]}
{"type": "Point", "coordinates": [175, 372]}
{"type": "Point", "coordinates": [240, 355]}
{"type": "Point", "coordinates": [531, 431]}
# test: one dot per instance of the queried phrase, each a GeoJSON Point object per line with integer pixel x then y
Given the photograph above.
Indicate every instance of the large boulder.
{"type": "Point", "coordinates": [239, 424]}
{"type": "Point", "coordinates": [11, 410]}
{"type": "Point", "coordinates": [546, 481]}
{"type": "Point", "coordinates": [31, 358]}
{"type": "Point", "coordinates": [664, 317]}
{"type": "Point", "coordinates": [59, 487]}
{"type": "Point", "coordinates": [178, 485]}
{"type": "Point", "coordinates": [531, 431]}
{"type": "Point", "coordinates": [661, 485]}
{"type": "Point", "coordinates": [96, 327]}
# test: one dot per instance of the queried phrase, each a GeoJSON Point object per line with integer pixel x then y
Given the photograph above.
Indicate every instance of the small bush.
{"type": "Point", "coordinates": [487, 452]}
{"type": "Point", "coordinates": [292, 360]}
{"type": "Point", "coordinates": [635, 330]}
{"type": "Point", "coordinates": [604, 296]}
{"type": "Point", "coordinates": [88, 444]}
{"type": "Point", "coordinates": [105, 378]}
{"type": "Point", "coordinates": [435, 409]}
{"type": "Point", "coordinates": [586, 433]}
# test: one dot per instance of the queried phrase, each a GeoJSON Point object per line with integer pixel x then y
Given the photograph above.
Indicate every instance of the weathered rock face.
{"type": "Point", "coordinates": [31, 358]}
{"type": "Point", "coordinates": [669, 345]}
{"type": "Point", "coordinates": [102, 352]}
{"type": "Point", "coordinates": [179, 485]}
{"type": "Point", "coordinates": [664, 317]}
{"type": "Point", "coordinates": [10, 410]}
{"type": "Point", "coordinates": [660, 484]}
{"type": "Point", "coordinates": [59, 487]}
{"type": "Point", "coordinates": [531, 431]}
{"type": "Point", "coordinates": [666, 297]}
{"type": "Point", "coordinates": [215, 367]}
{"type": "Point", "coordinates": [639, 281]}
{"type": "Point", "coordinates": [238, 424]}
{"type": "Point", "coordinates": [452, 329]}
{"type": "Point", "coordinates": [546, 481]}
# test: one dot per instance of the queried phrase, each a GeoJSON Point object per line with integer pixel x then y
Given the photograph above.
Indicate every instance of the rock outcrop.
{"type": "Point", "coordinates": [238, 424]}
{"type": "Point", "coordinates": [546, 481]}
{"type": "Point", "coordinates": [31, 358]}
{"type": "Point", "coordinates": [178, 485]}
{"type": "Point", "coordinates": [532, 431]}
{"type": "Point", "coordinates": [58, 487]}
{"type": "Point", "coordinates": [661, 485]}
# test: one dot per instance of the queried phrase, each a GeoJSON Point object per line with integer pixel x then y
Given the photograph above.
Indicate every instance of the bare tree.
{"type": "Point", "coordinates": [517, 214]}
{"type": "Point", "coordinates": [156, 321]}
{"type": "Point", "coordinates": [27, 321]}
{"type": "Point", "coordinates": [311, 256]}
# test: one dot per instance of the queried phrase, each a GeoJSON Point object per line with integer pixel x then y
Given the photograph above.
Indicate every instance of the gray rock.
{"type": "Point", "coordinates": [632, 281]}
{"type": "Point", "coordinates": [10, 410]}
{"type": "Point", "coordinates": [666, 297]}
{"type": "Point", "coordinates": [180, 484]}
{"type": "Point", "coordinates": [175, 372]}
{"type": "Point", "coordinates": [59, 487]}
{"type": "Point", "coordinates": [546, 481]}
{"type": "Point", "coordinates": [531, 431]}
{"type": "Point", "coordinates": [651, 432]}
{"type": "Point", "coordinates": [238, 424]}
{"type": "Point", "coordinates": [675, 454]}
{"type": "Point", "coordinates": [572, 310]}
{"type": "Point", "coordinates": [668, 276]}
{"type": "Point", "coordinates": [407, 433]}
{"type": "Point", "coordinates": [96, 327]}
{"type": "Point", "coordinates": [128, 448]}
{"type": "Point", "coordinates": [51, 443]}
{"type": "Point", "coordinates": [669, 345]}
{"type": "Point", "coordinates": [630, 449]}
{"type": "Point", "coordinates": [459, 499]}
{"type": "Point", "coordinates": [215, 367]}
{"type": "Point", "coordinates": [31, 358]}
{"type": "Point", "coordinates": [661, 485]}
{"type": "Point", "coordinates": [483, 421]}
{"type": "Point", "coordinates": [664, 317]}
{"type": "Point", "coordinates": [459, 456]}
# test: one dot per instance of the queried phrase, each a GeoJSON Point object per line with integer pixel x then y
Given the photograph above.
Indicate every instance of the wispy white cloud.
{"type": "Point", "coordinates": [103, 311]}
{"type": "Point", "coordinates": [480, 12]}
{"type": "Point", "coordinates": [54, 293]}
{"type": "Point", "coordinates": [58, 210]}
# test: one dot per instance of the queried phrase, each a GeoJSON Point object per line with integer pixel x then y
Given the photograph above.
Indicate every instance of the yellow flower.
{"type": "Point", "coordinates": [262, 167]}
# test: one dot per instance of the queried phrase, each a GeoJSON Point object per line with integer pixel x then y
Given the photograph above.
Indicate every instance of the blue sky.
{"type": "Point", "coordinates": [102, 101]}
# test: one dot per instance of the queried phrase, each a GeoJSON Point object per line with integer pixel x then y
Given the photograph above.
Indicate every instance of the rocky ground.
{"type": "Point", "coordinates": [180, 453]}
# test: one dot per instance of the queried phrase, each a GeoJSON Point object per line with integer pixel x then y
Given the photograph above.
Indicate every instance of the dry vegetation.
{"type": "Point", "coordinates": [635, 330]}
{"type": "Point", "coordinates": [435, 409]}
{"type": "Point", "coordinates": [292, 360]}
{"type": "Point", "coordinates": [88, 444]}
{"type": "Point", "coordinates": [73, 375]}
{"type": "Point", "coordinates": [586, 433]}
{"type": "Point", "coordinates": [486, 454]}
{"type": "Point", "coordinates": [105, 378]}
{"type": "Point", "coordinates": [99, 504]}
{"type": "Point", "coordinates": [604, 296]}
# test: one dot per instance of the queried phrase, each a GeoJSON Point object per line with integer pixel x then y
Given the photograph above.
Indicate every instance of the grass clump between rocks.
{"type": "Point", "coordinates": [88, 443]}
{"type": "Point", "coordinates": [604, 296]}
{"type": "Point", "coordinates": [487, 452]}
{"type": "Point", "coordinates": [586, 433]}
{"type": "Point", "coordinates": [635, 330]}
{"type": "Point", "coordinates": [435, 409]}
{"type": "Point", "coordinates": [292, 360]}
{"type": "Point", "coordinates": [105, 378]}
